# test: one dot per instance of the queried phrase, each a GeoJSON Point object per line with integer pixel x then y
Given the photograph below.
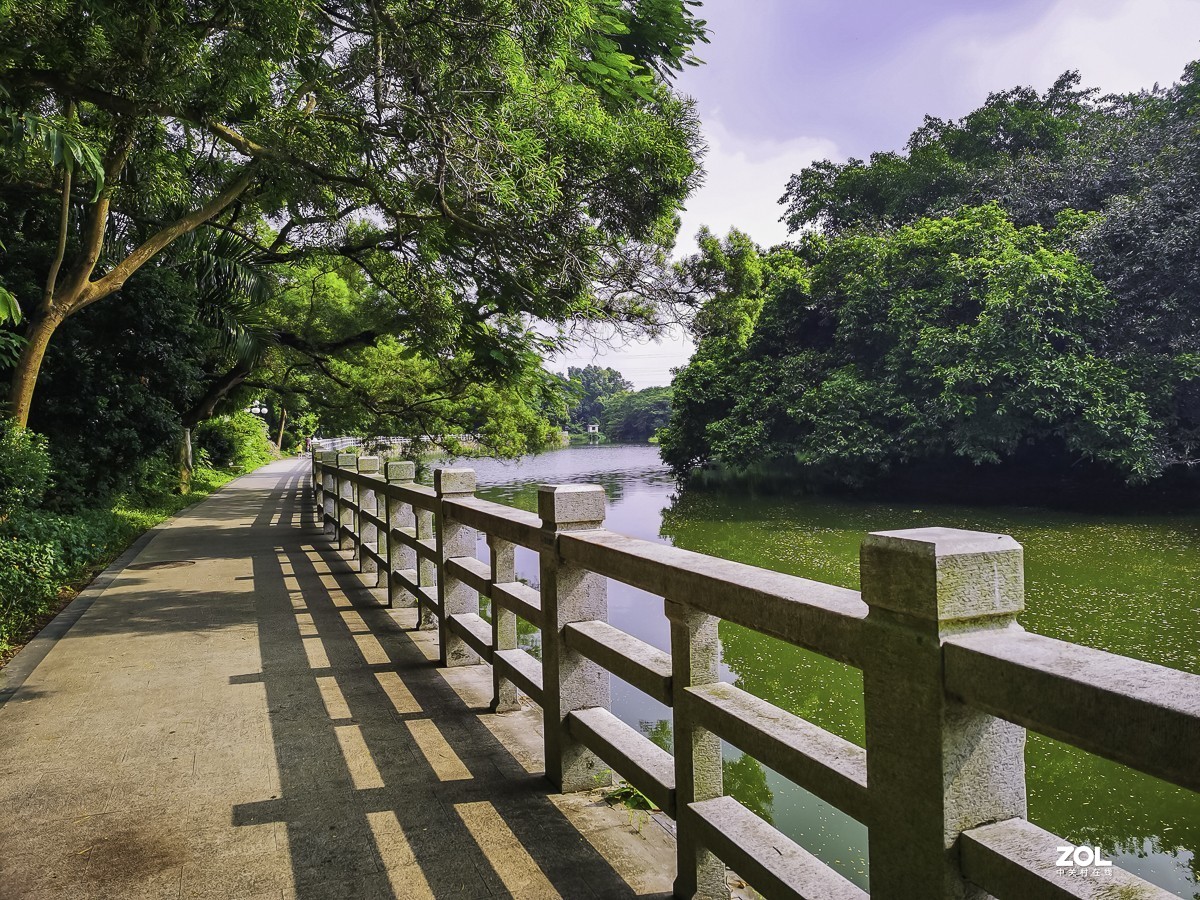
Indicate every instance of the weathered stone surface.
{"type": "Point", "coordinates": [568, 507]}
{"type": "Point", "coordinates": [455, 597]}
{"type": "Point", "coordinates": [401, 470]}
{"type": "Point", "coordinates": [943, 574]}
{"type": "Point", "coordinates": [1015, 858]}
{"type": "Point", "coordinates": [1137, 713]}
{"type": "Point", "coordinates": [934, 765]}
{"type": "Point", "coordinates": [570, 680]}
{"type": "Point", "coordinates": [949, 679]}
{"type": "Point", "coordinates": [448, 482]}
{"type": "Point", "coordinates": [695, 661]}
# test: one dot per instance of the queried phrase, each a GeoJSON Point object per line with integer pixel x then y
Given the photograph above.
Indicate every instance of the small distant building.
{"type": "Point", "coordinates": [593, 429]}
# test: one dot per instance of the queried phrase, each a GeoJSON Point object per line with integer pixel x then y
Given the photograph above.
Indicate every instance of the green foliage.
{"type": "Point", "coordinates": [22, 132]}
{"type": "Point", "coordinates": [543, 171]}
{"type": "Point", "coordinates": [1036, 154]}
{"type": "Point", "coordinates": [746, 779]}
{"type": "Point", "coordinates": [1114, 177]}
{"type": "Point", "coordinates": [116, 381]}
{"type": "Point", "coordinates": [630, 797]}
{"type": "Point", "coordinates": [1018, 287]}
{"type": "Point", "coordinates": [636, 415]}
{"type": "Point", "coordinates": [962, 337]}
{"type": "Point", "coordinates": [24, 468]}
{"type": "Point", "coordinates": [591, 386]}
{"type": "Point", "coordinates": [10, 314]}
{"type": "Point", "coordinates": [238, 440]}
{"type": "Point", "coordinates": [43, 554]}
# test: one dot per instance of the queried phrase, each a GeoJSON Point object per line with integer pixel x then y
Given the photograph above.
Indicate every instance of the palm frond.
{"type": "Point", "coordinates": [11, 345]}
{"type": "Point", "coordinates": [232, 290]}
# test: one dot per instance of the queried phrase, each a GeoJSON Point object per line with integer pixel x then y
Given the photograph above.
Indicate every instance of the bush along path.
{"type": "Point", "coordinates": [50, 551]}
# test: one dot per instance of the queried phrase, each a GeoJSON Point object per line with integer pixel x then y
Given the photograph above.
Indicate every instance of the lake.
{"type": "Point", "coordinates": [1125, 584]}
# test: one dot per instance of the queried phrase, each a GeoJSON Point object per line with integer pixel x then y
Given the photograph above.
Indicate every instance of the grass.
{"type": "Point", "coordinates": [136, 517]}
{"type": "Point", "coordinates": [46, 559]}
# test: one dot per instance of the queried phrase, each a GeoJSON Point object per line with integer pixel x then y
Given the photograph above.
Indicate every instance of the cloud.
{"type": "Point", "coordinates": [744, 180]}
{"type": "Point", "coordinates": [645, 363]}
{"type": "Point", "coordinates": [1117, 46]}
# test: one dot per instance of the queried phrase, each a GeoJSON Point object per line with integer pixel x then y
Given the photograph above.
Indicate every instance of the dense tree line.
{"type": "Point", "coordinates": [601, 396]}
{"type": "Point", "coordinates": [364, 214]}
{"type": "Point", "coordinates": [368, 217]}
{"type": "Point", "coordinates": [1018, 290]}
{"type": "Point", "coordinates": [636, 416]}
{"type": "Point", "coordinates": [589, 389]}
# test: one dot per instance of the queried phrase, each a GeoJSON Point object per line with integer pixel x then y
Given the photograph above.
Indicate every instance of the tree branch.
{"type": "Point", "coordinates": [64, 220]}
{"type": "Point", "coordinates": [116, 278]}
{"type": "Point", "coordinates": [97, 221]}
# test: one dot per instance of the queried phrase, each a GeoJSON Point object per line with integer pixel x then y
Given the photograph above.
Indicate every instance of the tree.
{"type": "Point", "coordinates": [1035, 154]}
{"type": "Point", "coordinates": [732, 276]}
{"type": "Point", "coordinates": [962, 337]}
{"type": "Point", "coordinates": [636, 415]}
{"type": "Point", "coordinates": [329, 356]}
{"type": "Point", "coordinates": [117, 381]}
{"type": "Point", "coordinates": [482, 163]}
{"type": "Point", "coordinates": [592, 385]}
{"type": "Point", "coordinates": [1132, 160]}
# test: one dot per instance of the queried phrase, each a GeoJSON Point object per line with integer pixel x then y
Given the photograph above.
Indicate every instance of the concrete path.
{"type": "Point", "coordinates": [235, 716]}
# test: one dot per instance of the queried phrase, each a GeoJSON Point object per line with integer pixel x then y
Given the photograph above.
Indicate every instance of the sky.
{"type": "Point", "coordinates": [788, 82]}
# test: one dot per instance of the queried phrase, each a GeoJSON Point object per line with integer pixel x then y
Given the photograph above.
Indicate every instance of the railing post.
{"type": "Point", "coordinates": [695, 658]}
{"type": "Point", "coordinates": [346, 494]}
{"type": "Point", "coordinates": [935, 767]}
{"type": "Point", "coordinates": [427, 617]}
{"type": "Point", "coordinates": [329, 493]}
{"type": "Point", "coordinates": [570, 681]}
{"type": "Point", "coordinates": [314, 480]}
{"type": "Point", "coordinates": [368, 533]}
{"type": "Point", "coordinates": [505, 697]}
{"type": "Point", "coordinates": [398, 514]}
{"type": "Point", "coordinates": [453, 539]}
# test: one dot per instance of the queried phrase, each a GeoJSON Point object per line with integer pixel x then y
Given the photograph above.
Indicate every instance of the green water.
{"type": "Point", "coordinates": [1125, 584]}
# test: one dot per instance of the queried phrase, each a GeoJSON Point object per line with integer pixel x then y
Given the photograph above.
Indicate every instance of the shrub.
{"type": "Point", "coordinates": [238, 440]}
{"type": "Point", "coordinates": [40, 553]}
{"type": "Point", "coordinates": [24, 467]}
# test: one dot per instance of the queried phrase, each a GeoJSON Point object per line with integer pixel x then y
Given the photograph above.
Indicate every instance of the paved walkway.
{"type": "Point", "coordinates": [235, 716]}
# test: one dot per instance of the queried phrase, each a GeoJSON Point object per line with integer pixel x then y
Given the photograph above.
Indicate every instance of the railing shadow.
{"type": "Point", "coordinates": [388, 783]}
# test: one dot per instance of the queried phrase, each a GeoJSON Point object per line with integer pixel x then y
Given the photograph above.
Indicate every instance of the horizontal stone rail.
{"type": "Point", "coordinates": [950, 682]}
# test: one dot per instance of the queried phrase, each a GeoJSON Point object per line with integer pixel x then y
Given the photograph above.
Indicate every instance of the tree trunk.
{"type": "Point", "coordinates": [25, 375]}
{"type": "Point", "coordinates": [206, 407]}
{"type": "Point", "coordinates": [282, 423]}
{"type": "Point", "coordinates": [79, 291]}
{"type": "Point", "coordinates": [185, 462]}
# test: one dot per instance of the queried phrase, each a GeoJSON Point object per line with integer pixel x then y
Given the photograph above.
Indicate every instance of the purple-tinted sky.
{"type": "Point", "coordinates": [788, 82]}
{"type": "Point", "coordinates": [777, 69]}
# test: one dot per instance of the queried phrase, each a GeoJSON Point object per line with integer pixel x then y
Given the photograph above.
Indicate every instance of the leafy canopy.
{"type": "Point", "coordinates": [960, 337]}
{"type": "Point", "coordinates": [483, 162]}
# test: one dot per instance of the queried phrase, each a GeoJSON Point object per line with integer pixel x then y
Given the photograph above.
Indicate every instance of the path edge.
{"type": "Point", "coordinates": [29, 657]}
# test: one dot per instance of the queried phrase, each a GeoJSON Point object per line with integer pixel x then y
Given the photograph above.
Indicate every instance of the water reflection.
{"type": "Point", "coordinates": [1126, 584]}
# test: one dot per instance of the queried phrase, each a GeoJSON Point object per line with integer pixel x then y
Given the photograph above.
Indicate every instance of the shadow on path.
{"type": "Point", "coordinates": [254, 724]}
{"type": "Point", "coordinates": [389, 783]}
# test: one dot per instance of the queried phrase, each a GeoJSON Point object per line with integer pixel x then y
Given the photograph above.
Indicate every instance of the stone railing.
{"type": "Point", "coordinates": [382, 444]}
{"type": "Point", "coordinates": [951, 683]}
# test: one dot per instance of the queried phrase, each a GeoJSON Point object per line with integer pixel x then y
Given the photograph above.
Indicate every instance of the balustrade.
{"type": "Point", "coordinates": [950, 680]}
